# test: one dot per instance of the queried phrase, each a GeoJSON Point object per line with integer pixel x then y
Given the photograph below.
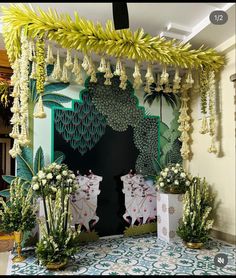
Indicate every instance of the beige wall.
{"type": "Point", "coordinates": [219, 169]}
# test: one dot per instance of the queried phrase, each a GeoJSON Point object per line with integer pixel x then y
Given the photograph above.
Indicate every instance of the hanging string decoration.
{"type": "Point", "coordinates": [212, 121]}
{"type": "Point", "coordinates": [108, 74]}
{"type": "Point", "coordinates": [204, 87]}
{"type": "Point", "coordinates": [40, 73]}
{"type": "Point", "coordinates": [68, 62]}
{"type": "Point", "coordinates": [24, 90]}
{"type": "Point", "coordinates": [176, 82]}
{"type": "Point", "coordinates": [184, 118]}
{"type": "Point", "coordinates": [83, 127]}
{"type": "Point", "coordinates": [64, 76]}
{"type": "Point", "coordinates": [103, 66]}
{"type": "Point", "coordinates": [50, 59]}
{"type": "Point", "coordinates": [123, 78]}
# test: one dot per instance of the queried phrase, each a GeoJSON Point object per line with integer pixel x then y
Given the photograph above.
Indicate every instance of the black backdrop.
{"type": "Point", "coordinates": [112, 157]}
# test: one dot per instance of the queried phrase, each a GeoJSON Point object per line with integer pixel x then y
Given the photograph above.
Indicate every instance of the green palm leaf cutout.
{"type": "Point", "coordinates": [38, 160]}
{"type": "Point", "coordinates": [52, 103]}
{"type": "Point", "coordinates": [25, 164]}
{"type": "Point", "coordinates": [8, 179]}
{"type": "Point", "coordinates": [59, 157]}
{"type": "Point", "coordinates": [55, 97]}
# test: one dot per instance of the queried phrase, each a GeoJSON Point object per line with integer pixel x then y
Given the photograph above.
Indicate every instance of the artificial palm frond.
{"type": "Point", "coordinates": [86, 36]}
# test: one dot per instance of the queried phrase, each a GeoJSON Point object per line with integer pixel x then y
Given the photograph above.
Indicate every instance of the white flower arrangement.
{"type": "Point", "coordinates": [173, 179]}
{"type": "Point", "coordinates": [51, 178]}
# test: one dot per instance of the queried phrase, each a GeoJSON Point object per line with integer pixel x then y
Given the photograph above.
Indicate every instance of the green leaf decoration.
{"type": "Point", "coordinates": [8, 179]}
{"type": "Point", "coordinates": [55, 97]}
{"type": "Point", "coordinates": [25, 164]}
{"type": "Point", "coordinates": [53, 87]}
{"type": "Point", "coordinates": [51, 104]}
{"type": "Point", "coordinates": [38, 160]}
{"type": "Point", "coordinates": [59, 157]}
{"type": "Point", "coordinates": [5, 193]}
{"type": "Point", "coordinates": [83, 127]}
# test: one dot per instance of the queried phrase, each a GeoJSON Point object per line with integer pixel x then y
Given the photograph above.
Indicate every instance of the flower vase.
{"type": "Point", "coordinates": [194, 245]}
{"type": "Point", "coordinates": [56, 265]}
{"type": "Point", "coordinates": [18, 235]}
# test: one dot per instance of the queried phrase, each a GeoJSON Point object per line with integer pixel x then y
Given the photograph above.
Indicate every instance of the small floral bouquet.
{"type": "Point", "coordinates": [53, 177]}
{"type": "Point", "coordinates": [173, 179]}
{"type": "Point", "coordinates": [197, 212]}
{"type": "Point", "coordinates": [19, 212]}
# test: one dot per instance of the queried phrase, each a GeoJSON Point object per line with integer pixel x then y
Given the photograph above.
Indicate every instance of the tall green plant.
{"type": "Point", "coordinates": [198, 204]}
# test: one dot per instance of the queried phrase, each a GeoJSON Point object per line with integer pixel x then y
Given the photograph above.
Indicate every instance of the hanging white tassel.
{"type": "Point", "coordinates": [212, 148]}
{"type": "Point", "coordinates": [85, 64]}
{"type": "Point", "coordinates": [167, 89]}
{"type": "Point", "coordinates": [24, 138]}
{"type": "Point", "coordinates": [164, 76]}
{"type": "Point", "coordinates": [56, 74]}
{"type": "Point", "coordinates": [158, 88]}
{"type": "Point", "coordinates": [123, 78]}
{"type": "Point", "coordinates": [49, 59]}
{"type": "Point", "coordinates": [33, 74]}
{"type": "Point", "coordinates": [108, 74]}
{"type": "Point", "coordinates": [149, 79]}
{"type": "Point", "coordinates": [176, 81]}
{"type": "Point", "coordinates": [68, 62]}
{"type": "Point", "coordinates": [102, 67]}
{"type": "Point", "coordinates": [118, 67]}
{"type": "Point", "coordinates": [189, 79]}
{"type": "Point", "coordinates": [64, 76]}
{"type": "Point", "coordinates": [39, 113]}
{"type": "Point", "coordinates": [77, 71]}
{"type": "Point", "coordinates": [15, 149]}
{"type": "Point", "coordinates": [137, 77]}
{"type": "Point", "coordinates": [204, 127]}
{"type": "Point", "coordinates": [31, 51]}
{"type": "Point", "coordinates": [91, 71]}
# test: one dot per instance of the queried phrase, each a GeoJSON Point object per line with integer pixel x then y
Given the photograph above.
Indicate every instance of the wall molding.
{"type": "Point", "coordinates": [223, 236]}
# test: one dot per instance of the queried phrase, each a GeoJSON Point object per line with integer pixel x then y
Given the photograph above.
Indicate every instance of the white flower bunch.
{"type": "Point", "coordinates": [53, 177]}
{"type": "Point", "coordinates": [173, 177]}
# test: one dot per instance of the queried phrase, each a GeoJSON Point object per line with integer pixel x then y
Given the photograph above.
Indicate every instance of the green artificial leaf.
{"type": "Point", "coordinates": [52, 87]}
{"type": "Point", "coordinates": [59, 157]}
{"type": "Point", "coordinates": [25, 164]}
{"type": "Point", "coordinates": [8, 179]}
{"type": "Point", "coordinates": [5, 193]}
{"type": "Point", "coordinates": [38, 160]}
{"type": "Point", "coordinates": [51, 104]}
{"type": "Point", "coordinates": [55, 97]}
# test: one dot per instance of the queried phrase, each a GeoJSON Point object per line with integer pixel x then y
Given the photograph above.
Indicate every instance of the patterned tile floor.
{"type": "Point", "coordinates": [139, 255]}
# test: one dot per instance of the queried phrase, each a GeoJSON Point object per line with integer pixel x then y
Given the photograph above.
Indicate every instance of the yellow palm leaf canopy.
{"type": "Point", "coordinates": [87, 37]}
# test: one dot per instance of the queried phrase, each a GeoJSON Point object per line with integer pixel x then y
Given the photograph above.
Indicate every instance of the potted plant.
{"type": "Point", "coordinates": [19, 213]}
{"type": "Point", "coordinates": [173, 179]}
{"type": "Point", "coordinates": [197, 221]}
{"type": "Point", "coordinates": [55, 183]}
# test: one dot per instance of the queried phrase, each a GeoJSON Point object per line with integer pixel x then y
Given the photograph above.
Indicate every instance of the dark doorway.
{"type": "Point", "coordinates": [112, 157]}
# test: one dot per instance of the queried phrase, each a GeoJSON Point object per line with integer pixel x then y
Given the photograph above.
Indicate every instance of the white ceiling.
{"type": "Point", "coordinates": [154, 18]}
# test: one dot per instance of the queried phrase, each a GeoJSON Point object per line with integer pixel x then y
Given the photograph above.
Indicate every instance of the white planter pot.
{"type": "Point", "coordinates": [169, 215]}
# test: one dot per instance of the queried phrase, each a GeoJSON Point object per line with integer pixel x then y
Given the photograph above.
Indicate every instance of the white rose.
{"type": "Point", "coordinates": [49, 176]}
{"type": "Point", "coordinates": [175, 171]}
{"type": "Point", "coordinates": [160, 179]}
{"type": "Point", "coordinates": [177, 164]}
{"type": "Point", "coordinates": [173, 168]}
{"type": "Point", "coordinates": [73, 176]}
{"type": "Point", "coordinates": [168, 180]}
{"type": "Point", "coordinates": [44, 181]}
{"type": "Point", "coordinates": [58, 167]}
{"type": "Point", "coordinates": [34, 178]}
{"type": "Point", "coordinates": [54, 189]}
{"type": "Point", "coordinates": [36, 186]}
{"type": "Point", "coordinates": [166, 169]}
{"type": "Point", "coordinates": [58, 177]}
{"type": "Point", "coordinates": [64, 173]}
{"type": "Point", "coordinates": [187, 183]}
{"type": "Point", "coordinates": [162, 184]}
{"type": "Point", "coordinates": [54, 164]}
{"type": "Point", "coordinates": [176, 182]}
{"type": "Point", "coordinates": [41, 174]}
{"type": "Point", "coordinates": [69, 180]}
{"type": "Point", "coordinates": [182, 175]}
